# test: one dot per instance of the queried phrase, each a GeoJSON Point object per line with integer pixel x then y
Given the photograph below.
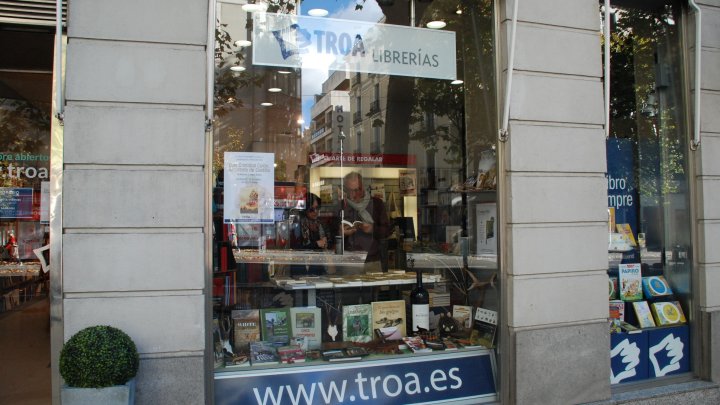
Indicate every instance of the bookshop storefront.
{"type": "Point", "coordinates": [395, 202]}
{"type": "Point", "coordinates": [355, 202]}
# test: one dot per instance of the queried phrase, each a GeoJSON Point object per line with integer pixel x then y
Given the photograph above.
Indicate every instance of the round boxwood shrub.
{"type": "Point", "coordinates": [97, 357]}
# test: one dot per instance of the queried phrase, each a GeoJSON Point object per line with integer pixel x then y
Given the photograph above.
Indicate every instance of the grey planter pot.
{"type": "Point", "coordinates": [116, 395]}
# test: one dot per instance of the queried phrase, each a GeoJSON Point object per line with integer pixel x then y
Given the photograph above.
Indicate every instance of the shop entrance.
{"type": "Point", "coordinates": [25, 98]}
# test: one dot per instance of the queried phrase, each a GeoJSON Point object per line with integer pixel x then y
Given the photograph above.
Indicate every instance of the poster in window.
{"type": "Point", "coordinates": [249, 187]}
{"type": "Point", "coordinates": [486, 215]}
{"type": "Point", "coordinates": [408, 182]}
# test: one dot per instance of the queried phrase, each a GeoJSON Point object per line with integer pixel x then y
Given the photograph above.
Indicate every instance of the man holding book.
{"type": "Point", "coordinates": [364, 223]}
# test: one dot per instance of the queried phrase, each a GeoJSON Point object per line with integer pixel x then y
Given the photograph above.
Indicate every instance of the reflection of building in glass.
{"type": "Point", "coordinates": [257, 107]}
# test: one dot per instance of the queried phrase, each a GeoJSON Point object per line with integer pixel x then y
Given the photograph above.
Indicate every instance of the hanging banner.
{"type": "Point", "coordinates": [354, 46]}
{"type": "Point", "coordinates": [249, 196]}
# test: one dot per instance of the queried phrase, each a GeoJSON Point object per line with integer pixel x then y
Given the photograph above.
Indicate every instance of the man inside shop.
{"type": "Point", "coordinates": [364, 223]}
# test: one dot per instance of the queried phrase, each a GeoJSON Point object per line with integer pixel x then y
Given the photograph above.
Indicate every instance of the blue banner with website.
{"type": "Point", "coordinates": [622, 190]}
{"type": "Point", "coordinates": [404, 380]}
{"type": "Point", "coordinates": [16, 202]}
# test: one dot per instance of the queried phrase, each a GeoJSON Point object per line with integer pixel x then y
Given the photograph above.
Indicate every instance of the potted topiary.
{"type": "Point", "coordinates": [99, 364]}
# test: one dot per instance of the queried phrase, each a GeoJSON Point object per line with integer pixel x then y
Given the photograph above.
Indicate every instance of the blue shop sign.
{"type": "Point", "coordinates": [16, 202]}
{"type": "Point", "coordinates": [410, 380]}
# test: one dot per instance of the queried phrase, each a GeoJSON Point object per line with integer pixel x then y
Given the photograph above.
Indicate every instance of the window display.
{"type": "Point", "coordinates": [356, 251]}
{"type": "Point", "coordinates": [648, 198]}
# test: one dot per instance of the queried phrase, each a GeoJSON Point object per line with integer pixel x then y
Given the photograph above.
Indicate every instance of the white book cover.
{"type": "Point", "coordinates": [306, 323]}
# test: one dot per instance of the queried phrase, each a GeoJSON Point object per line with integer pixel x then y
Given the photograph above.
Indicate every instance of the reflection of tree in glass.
{"type": "Point", "coordinates": [470, 106]}
{"type": "Point", "coordinates": [646, 96]}
{"type": "Point", "coordinates": [25, 127]}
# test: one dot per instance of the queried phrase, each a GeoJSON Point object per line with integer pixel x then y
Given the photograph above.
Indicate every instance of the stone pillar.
{"type": "Point", "coordinates": [707, 182]}
{"type": "Point", "coordinates": [133, 185]}
{"type": "Point", "coordinates": [557, 341]}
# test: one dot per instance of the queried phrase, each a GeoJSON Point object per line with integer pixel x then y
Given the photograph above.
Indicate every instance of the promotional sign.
{"type": "Point", "coordinates": [356, 46]}
{"type": "Point", "coordinates": [622, 190]}
{"type": "Point", "coordinates": [16, 202]}
{"type": "Point", "coordinates": [628, 357]}
{"type": "Point", "coordinates": [411, 380]}
{"type": "Point", "coordinates": [668, 351]}
{"type": "Point", "coordinates": [323, 158]}
{"type": "Point", "coordinates": [249, 196]}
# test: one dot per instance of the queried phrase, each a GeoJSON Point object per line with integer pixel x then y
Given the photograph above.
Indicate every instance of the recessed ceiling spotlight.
{"type": "Point", "coordinates": [458, 11]}
{"type": "Point", "coordinates": [274, 89]}
{"type": "Point", "coordinates": [436, 24]}
{"type": "Point", "coordinates": [243, 43]}
{"type": "Point", "coordinates": [318, 12]}
{"type": "Point", "coordinates": [457, 81]}
{"type": "Point", "coordinates": [266, 104]}
{"type": "Point", "coordinates": [237, 68]}
{"type": "Point", "coordinates": [253, 7]}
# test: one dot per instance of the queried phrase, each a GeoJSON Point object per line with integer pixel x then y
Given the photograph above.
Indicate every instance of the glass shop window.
{"type": "Point", "coordinates": [649, 241]}
{"type": "Point", "coordinates": [323, 236]}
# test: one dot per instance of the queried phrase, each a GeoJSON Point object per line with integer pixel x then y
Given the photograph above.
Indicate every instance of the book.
{"type": "Point", "coordinates": [626, 231]}
{"type": "Point", "coordinates": [612, 288]}
{"type": "Point", "coordinates": [484, 327]}
{"type": "Point", "coordinates": [291, 354]}
{"type": "Point", "coordinates": [449, 344]}
{"type": "Point", "coordinates": [463, 315]}
{"type": "Point", "coordinates": [644, 316]}
{"type": "Point", "coordinates": [389, 318]}
{"type": "Point", "coordinates": [347, 354]}
{"type": "Point", "coordinates": [275, 325]}
{"type": "Point", "coordinates": [667, 313]}
{"type": "Point", "coordinates": [630, 280]}
{"type": "Point", "coordinates": [246, 329]}
{"type": "Point", "coordinates": [416, 344]}
{"type": "Point", "coordinates": [617, 310]}
{"type": "Point", "coordinates": [262, 353]}
{"type": "Point", "coordinates": [357, 323]}
{"type": "Point", "coordinates": [435, 344]}
{"type": "Point", "coordinates": [306, 322]}
{"type": "Point", "coordinates": [656, 286]}
{"type": "Point", "coordinates": [352, 224]}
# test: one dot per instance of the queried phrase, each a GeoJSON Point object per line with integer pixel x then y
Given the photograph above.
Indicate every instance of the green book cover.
{"type": "Point", "coordinates": [275, 324]}
{"type": "Point", "coordinates": [357, 323]}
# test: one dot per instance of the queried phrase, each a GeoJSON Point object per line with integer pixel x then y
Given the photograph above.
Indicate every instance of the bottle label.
{"type": "Point", "coordinates": [420, 316]}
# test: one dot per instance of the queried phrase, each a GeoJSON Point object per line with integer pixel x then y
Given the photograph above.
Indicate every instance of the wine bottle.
{"type": "Point", "coordinates": [420, 302]}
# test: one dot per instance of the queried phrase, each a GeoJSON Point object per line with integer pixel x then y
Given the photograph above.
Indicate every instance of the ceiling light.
{"type": "Point", "coordinates": [242, 43]}
{"type": "Point", "coordinates": [457, 81]}
{"type": "Point", "coordinates": [318, 12]}
{"type": "Point", "coordinates": [274, 90]}
{"type": "Point", "coordinates": [458, 11]}
{"type": "Point", "coordinates": [237, 68]}
{"type": "Point", "coordinates": [436, 24]}
{"type": "Point", "coordinates": [253, 7]}
{"type": "Point", "coordinates": [266, 104]}
{"type": "Point", "coordinates": [284, 72]}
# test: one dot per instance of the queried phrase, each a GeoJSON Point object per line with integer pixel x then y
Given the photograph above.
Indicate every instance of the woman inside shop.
{"type": "Point", "coordinates": [309, 233]}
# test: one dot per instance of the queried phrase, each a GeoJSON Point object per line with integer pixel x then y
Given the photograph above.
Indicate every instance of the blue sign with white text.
{"type": "Point", "coordinates": [622, 190]}
{"type": "Point", "coordinates": [411, 380]}
{"type": "Point", "coordinates": [16, 202]}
